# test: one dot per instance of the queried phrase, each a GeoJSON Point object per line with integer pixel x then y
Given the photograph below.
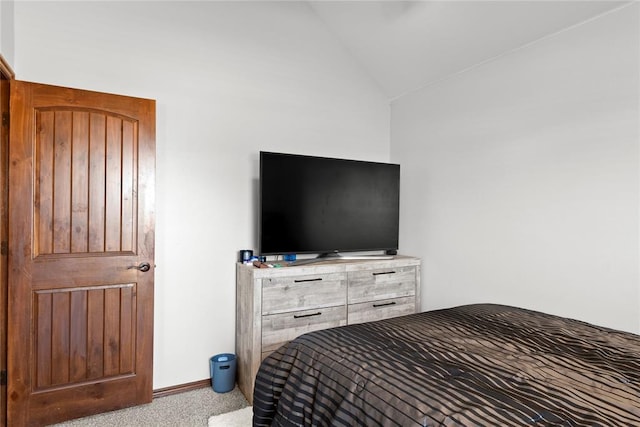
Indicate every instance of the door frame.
{"type": "Point", "coordinates": [6, 74]}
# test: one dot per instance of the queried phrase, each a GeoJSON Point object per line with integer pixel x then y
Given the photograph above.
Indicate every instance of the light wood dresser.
{"type": "Point", "coordinates": [275, 305]}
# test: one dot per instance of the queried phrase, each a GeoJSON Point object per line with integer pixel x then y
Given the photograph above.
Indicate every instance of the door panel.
{"type": "Point", "coordinates": [81, 216]}
{"type": "Point", "coordinates": [71, 326]}
{"type": "Point", "coordinates": [80, 154]}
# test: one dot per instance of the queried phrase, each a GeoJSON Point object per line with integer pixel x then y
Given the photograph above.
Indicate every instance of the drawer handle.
{"type": "Point", "coordinates": [384, 272]}
{"type": "Point", "coordinates": [307, 280]}
{"type": "Point", "coordinates": [299, 316]}
{"type": "Point", "coordinates": [384, 304]}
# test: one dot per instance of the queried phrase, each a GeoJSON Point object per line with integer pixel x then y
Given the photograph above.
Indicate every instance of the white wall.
{"type": "Point", "coordinates": [230, 79]}
{"type": "Point", "coordinates": [6, 30]}
{"type": "Point", "coordinates": [520, 177]}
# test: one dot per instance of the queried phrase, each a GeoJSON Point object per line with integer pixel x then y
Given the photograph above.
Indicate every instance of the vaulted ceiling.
{"type": "Point", "coordinates": [406, 45]}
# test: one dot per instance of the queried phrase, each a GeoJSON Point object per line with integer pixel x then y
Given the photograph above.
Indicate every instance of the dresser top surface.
{"type": "Point", "coordinates": [329, 266]}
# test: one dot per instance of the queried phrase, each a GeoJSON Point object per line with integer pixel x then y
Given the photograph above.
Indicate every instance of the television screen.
{"type": "Point", "coordinates": [325, 205]}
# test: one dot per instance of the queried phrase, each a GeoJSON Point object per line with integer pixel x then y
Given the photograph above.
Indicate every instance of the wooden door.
{"type": "Point", "coordinates": [81, 228]}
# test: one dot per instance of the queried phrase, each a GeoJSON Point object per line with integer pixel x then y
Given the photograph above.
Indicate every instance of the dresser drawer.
{"type": "Point", "coordinates": [284, 294]}
{"type": "Point", "coordinates": [280, 328]}
{"type": "Point", "coordinates": [373, 285]}
{"type": "Point", "coordinates": [380, 309]}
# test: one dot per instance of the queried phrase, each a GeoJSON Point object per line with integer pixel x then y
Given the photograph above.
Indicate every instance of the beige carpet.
{"type": "Point", "coordinates": [188, 409]}
{"type": "Point", "coordinates": [239, 418]}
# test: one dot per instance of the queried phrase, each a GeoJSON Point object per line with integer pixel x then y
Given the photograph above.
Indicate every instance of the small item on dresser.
{"type": "Point", "coordinates": [246, 255]}
{"type": "Point", "coordinates": [261, 264]}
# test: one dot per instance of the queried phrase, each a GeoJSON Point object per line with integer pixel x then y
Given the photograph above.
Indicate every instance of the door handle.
{"type": "Point", "coordinates": [143, 267]}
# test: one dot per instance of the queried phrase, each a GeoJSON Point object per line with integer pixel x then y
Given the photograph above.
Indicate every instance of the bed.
{"type": "Point", "coordinates": [473, 365]}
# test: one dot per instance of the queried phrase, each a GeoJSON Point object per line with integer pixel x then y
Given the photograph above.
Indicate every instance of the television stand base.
{"type": "Point", "coordinates": [334, 256]}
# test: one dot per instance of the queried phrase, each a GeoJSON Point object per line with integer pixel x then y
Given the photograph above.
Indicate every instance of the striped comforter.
{"type": "Point", "coordinates": [475, 365]}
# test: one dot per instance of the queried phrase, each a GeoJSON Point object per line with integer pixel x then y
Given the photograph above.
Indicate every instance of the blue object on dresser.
{"type": "Point", "coordinates": [223, 372]}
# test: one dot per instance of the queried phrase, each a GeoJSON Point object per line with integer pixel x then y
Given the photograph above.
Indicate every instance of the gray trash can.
{"type": "Point", "coordinates": [223, 372]}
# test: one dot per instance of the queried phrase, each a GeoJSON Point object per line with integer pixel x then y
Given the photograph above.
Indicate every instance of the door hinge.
{"type": "Point", "coordinates": [5, 119]}
{"type": "Point", "coordinates": [3, 377]}
{"type": "Point", "coordinates": [4, 248]}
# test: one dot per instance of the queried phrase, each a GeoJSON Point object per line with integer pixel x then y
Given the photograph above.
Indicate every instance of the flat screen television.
{"type": "Point", "coordinates": [326, 206]}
